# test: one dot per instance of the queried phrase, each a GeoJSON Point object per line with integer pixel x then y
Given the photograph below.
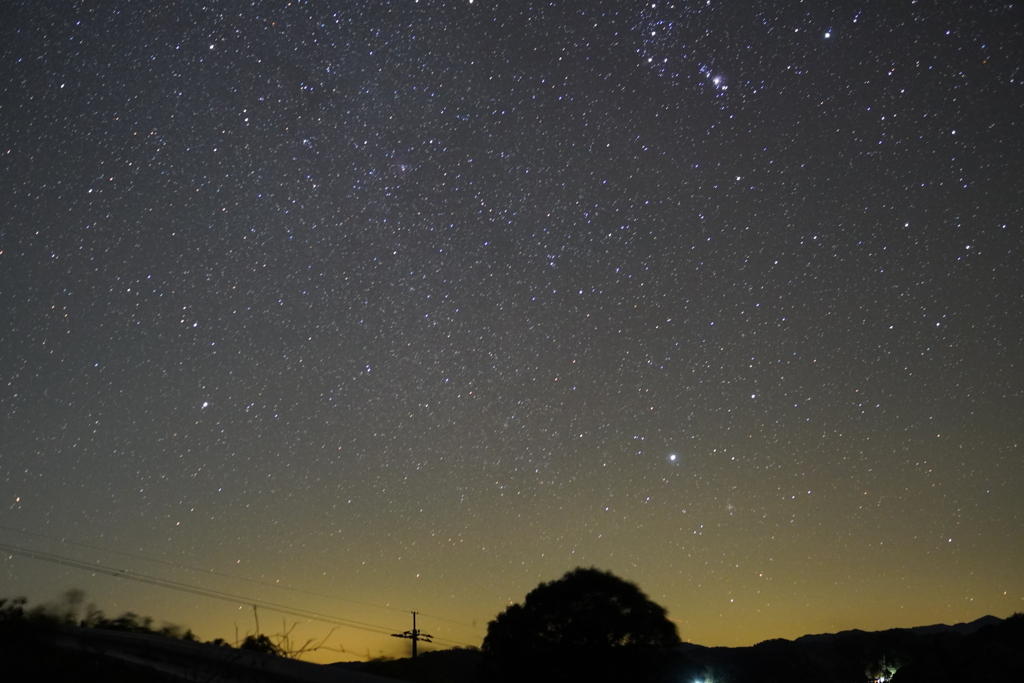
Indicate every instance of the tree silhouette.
{"type": "Point", "coordinates": [588, 625]}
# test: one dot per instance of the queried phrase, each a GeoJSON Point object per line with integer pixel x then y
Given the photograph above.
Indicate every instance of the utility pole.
{"type": "Point", "coordinates": [414, 635]}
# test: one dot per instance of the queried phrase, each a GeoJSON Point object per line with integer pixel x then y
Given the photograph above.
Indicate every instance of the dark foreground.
{"type": "Point", "coordinates": [32, 651]}
{"type": "Point", "coordinates": [989, 650]}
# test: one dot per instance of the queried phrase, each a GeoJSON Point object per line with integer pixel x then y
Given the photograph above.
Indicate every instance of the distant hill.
{"type": "Point", "coordinates": [961, 628]}
{"type": "Point", "coordinates": [987, 650]}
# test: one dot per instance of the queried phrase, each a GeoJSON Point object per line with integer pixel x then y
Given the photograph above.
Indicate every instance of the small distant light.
{"type": "Point", "coordinates": [672, 457]}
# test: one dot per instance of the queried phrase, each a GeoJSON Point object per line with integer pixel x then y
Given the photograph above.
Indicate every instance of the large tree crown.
{"type": "Point", "coordinates": [585, 610]}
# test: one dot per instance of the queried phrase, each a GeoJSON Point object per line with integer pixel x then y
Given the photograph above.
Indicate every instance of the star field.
{"type": "Point", "coordinates": [422, 303]}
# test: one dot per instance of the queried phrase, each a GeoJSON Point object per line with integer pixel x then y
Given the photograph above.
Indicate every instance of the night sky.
{"type": "Point", "coordinates": [413, 305]}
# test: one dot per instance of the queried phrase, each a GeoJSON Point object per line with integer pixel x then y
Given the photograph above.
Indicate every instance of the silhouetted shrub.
{"type": "Point", "coordinates": [260, 643]}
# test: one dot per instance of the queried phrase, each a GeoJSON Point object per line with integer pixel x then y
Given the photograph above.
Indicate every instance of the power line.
{"type": "Point", "coordinates": [204, 571]}
{"type": "Point", "coordinates": [177, 585]}
{"type": "Point", "coordinates": [198, 590]}
{"type": "Point", "coordinates": [233, 577]}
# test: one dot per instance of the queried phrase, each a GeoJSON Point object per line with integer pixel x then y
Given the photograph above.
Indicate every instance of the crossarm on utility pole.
{"type": "Point", "coordinates": [415, 635]}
